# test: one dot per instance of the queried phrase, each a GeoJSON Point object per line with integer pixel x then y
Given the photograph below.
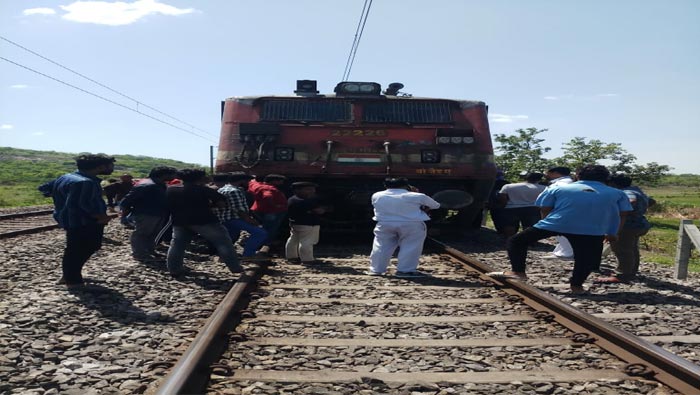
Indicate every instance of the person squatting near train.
{"type": "Point", "coordinates": [269, 206]}
{"type": "Point", "coordinates": [519, 200]}
{"type": "Point", "coordinates": [586, 212]}
{"type": "Point", "coordinates": [304, 211]}
{"type": "Point", "coordinates": [400, 215]}
{"type": "Point", "coordinates": [80, 210]}
{"type": "Point", "coordinates": [116, 191]}
{"type": "Point", "coordinates": [236, 215]}
{"type": "Point", "coordinates": [560, 175]}
{"type": "Point", "coordinates": [190, 210]}
{"type": "Point", "coordinates": [147, 205]}
{"type": "Point", "coordinates": [636, 225]}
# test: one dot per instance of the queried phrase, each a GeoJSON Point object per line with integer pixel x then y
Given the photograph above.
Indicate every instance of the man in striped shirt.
{"type": "Point", "coordinates": [236, 216]}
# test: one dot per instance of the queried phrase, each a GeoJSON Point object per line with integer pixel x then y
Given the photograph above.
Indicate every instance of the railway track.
{"type": "Point", "coordinates": [21, 223]}
{"type": "Point", "coordinates": [332, 329]}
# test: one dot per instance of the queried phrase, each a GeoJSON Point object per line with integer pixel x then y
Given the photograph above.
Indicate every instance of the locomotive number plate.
{"type": "Point", "coordinates": [358, 133]}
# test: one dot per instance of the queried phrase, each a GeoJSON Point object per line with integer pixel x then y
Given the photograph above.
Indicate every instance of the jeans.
{"type": "Point", "coordinates": [409, 236]}
{"type": "Point", "coordinates": [587, 251]}
{"type": "Point", "coordinates": [257, 235]}
{"type": "Point", "coordinates": [215, 233]}
{"type": "Point", "coordinates": [81, 243]}
{"type": "Point", "coordinates": [626, 250]}
{"type": "Point", "coordinates": [143, 238]}
{"type": "Point", "coordinates": [301, 242]}
{"type": "Point", "coordinates": [271, 223]}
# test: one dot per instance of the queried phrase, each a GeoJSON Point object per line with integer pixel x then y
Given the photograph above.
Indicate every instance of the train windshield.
{"type": "Point", "coordinates": [305, 110]}
{"type": "Point", "coordinates": [407, 111]}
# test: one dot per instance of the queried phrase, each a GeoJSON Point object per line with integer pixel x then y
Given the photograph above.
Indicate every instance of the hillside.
{"type": "Point", "coordinates": [22, 170]}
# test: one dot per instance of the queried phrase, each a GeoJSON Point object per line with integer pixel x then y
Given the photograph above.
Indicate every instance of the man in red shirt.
{"type": "Point", "coordinates": [269, 205]}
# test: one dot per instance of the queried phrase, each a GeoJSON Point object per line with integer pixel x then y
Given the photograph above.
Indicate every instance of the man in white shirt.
{"type": "Point", "coordinates": [400, 214]}
{"type": "Point", "coordinates": [519, 200]}
{"type": "Point", "coordinates": [560, 176]}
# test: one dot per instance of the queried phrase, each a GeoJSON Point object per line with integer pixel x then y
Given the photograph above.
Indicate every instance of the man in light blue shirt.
{"type": "Point", "coordinates": [586, 212]}
{"type": "Point", "coordinates": [400, 214]}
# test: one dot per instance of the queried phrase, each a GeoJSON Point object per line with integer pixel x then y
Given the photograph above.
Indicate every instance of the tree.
{"type": "Point", "coordinates": [649, 174]}
{"type": "Point", "coordinates": [521, 151]}
{"type": "Point", "coordinates": [578, 152]}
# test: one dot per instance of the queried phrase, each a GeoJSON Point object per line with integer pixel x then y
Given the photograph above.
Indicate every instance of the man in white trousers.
{"type": "Point", "coordinates": [400, 214]}
{"type": "Point", "coordinates": [560, 176]}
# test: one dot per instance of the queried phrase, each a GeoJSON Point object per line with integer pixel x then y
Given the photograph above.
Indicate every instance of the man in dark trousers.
{"type": "Point", "coordinates": [147, 204]}
{"type": "Point", "coordinates": [190, 208]}
{"type": "Point", "coordinates": [305, 211]}
{"type": "Point", "coordinates": [81, 211]}
{"type": "Point", "coordinates": [270, 206]}
{"type": "Point", "coordinates": [586, 212]}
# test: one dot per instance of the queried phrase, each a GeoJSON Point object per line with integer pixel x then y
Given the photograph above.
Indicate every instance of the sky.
{"type": "Point", "coordinates": [619, 71]}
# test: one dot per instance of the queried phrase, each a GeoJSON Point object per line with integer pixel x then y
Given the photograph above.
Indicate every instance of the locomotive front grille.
{"type": "Point", "coordinates": [400, 111]}
{"type": "Point", "coordinates": [305, 111]}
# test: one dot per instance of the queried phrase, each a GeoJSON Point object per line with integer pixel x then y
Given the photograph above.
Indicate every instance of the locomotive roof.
{"type": "Point", "coordinates": [333, 96]}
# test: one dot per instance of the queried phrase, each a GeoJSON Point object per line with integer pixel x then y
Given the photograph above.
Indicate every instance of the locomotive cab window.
{"type": "Point", "coordinates": [408, 111]}
{"type": "Point", "coordinates": [305, 110]}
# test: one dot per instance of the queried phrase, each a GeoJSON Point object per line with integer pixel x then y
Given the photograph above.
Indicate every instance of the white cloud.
{"type": "Point", "coordinates": [504, 118]}
{"type": "Point", "coordinates": [38, 134]}
{"type": "Point", "coordinates": [118, 13]}
{"type": "Point", "coordinates": [607, 95]}
{"type": "Point", "coordinates": [19, 86]}
{"type": "Point", "coordinates": [39, 11]}
{"type": "Point", "coordinates": [6, 127]}
{"type": "Point", "coordinates": [551, 98]}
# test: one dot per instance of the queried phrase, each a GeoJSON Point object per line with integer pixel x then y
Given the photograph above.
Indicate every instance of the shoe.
{"type": "Point", "coordinates": [314, 262]}
{"type": "Point", "coordinates": [609, 280]}
{"type": "Point", "coordinates": [413, 274]}
{"type": "Point", "coordinates": [559, 257]}
{"type": "Point", "coordinates": [577, 290]}
{"type": "Point", "coordinates": [75, 286]}
{"type": "Point", "coordinates": [236, 269]}
{"type": "Point", "coordinates": [507, 275]}
{"type": "Point", "coordinates": [255, 258]}
{"type": "Point", "coordinates": [371, 273]}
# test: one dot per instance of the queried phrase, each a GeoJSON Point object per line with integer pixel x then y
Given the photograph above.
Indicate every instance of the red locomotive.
{"type": "Point", "coordinates": [349, 142]}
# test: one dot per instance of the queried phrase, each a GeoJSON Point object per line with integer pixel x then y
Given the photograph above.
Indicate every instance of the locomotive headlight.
{"type": "Point", "coordinates": [456, 140]}
{"type": "Point", "coordinates": [443, 140]}
{"type": "Point", "coordinates": [468, 140]}
{"type": "Point", "coordinates": [429, 156]}
{"type": "Point", "coordinates": [284, 154]}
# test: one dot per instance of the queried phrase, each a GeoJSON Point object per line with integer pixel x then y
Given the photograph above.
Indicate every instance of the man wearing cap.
{"type": "Point", "coordinates": [304, 211]}
{"type": "Point", "coordinates": [557, 176]}
{"type": "Point", "coordinates": [400, 214]}
{"type": "Point", "coordinates": [236, 216]}
{"type": "Point", "coordinates": [519, 199]}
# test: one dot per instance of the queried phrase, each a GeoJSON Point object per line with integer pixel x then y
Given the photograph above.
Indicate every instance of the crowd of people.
{"type": "Point", "coordinates": [583, 212]}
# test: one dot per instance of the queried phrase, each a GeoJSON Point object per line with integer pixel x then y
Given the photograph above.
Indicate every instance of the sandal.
{"type": "Point", "coordinates": [608, 280]}
{"type": "Point", "coordinates": [506, 275]}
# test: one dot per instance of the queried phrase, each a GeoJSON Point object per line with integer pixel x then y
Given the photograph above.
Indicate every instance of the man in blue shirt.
{"type": "Point", "coordinates": [81, 211]}
{"type": "Point", "coordinates": [586, 212]}
{"type": "Point", "coordinates": [148, 206]}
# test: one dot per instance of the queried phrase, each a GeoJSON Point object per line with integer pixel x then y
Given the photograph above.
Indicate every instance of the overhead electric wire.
{"type": "Point", "coordinates": [356, 41]}
{"type": "Point", "coordinates": [138, 102]}
{"type": "Point", "coordinates": [106, 99]}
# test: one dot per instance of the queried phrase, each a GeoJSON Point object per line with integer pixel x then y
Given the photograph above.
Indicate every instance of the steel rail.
{"type": "Point", "coordinates": [191, 373]}
{"type": "Point", "coordinates": [31, 230]}
{"type": "Point", "coordinates": [652, 361]}
{"type": "Point", "coordinates": [25, 214]}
